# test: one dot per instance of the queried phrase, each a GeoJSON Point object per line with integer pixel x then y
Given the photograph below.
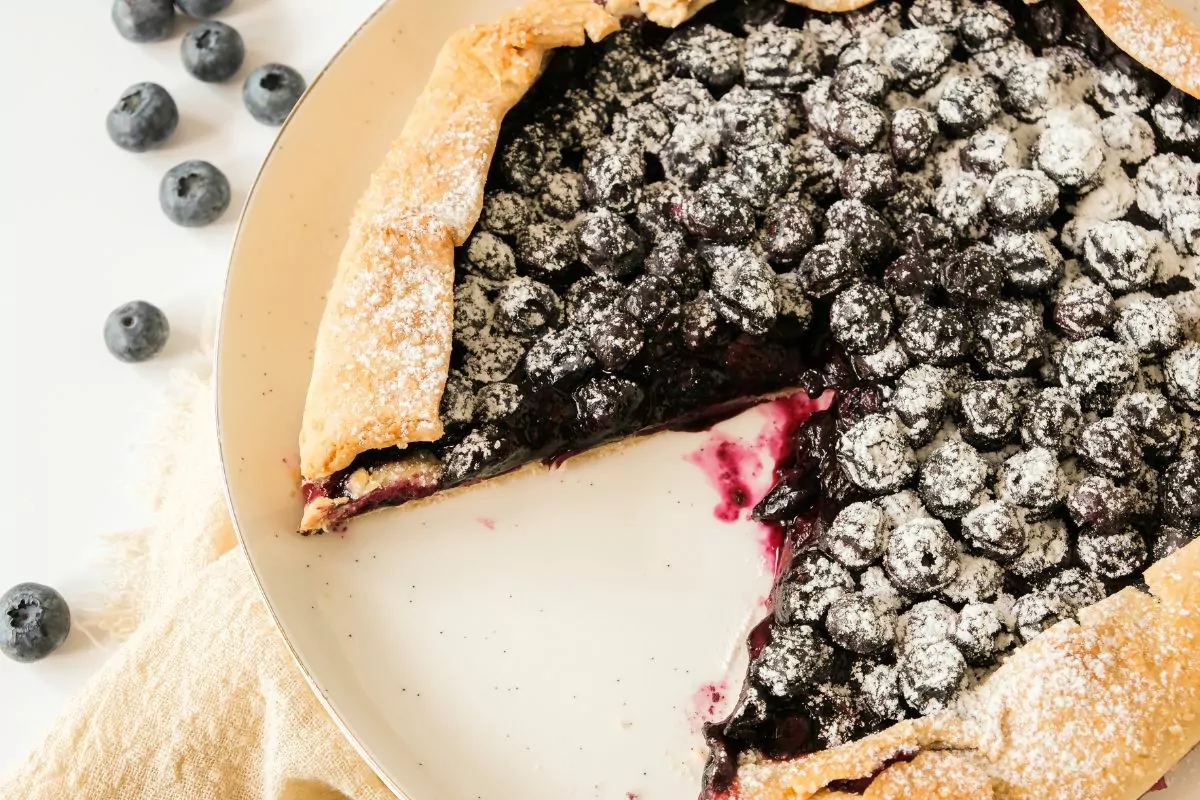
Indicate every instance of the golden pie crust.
{"type": "Point", "coordinates": [1097, 709]}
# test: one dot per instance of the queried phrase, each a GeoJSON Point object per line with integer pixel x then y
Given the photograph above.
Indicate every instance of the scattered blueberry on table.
{"type": "Point", "coordinates": [202, 8]}
{"type": "Point", "coordinates": [194, 193]}
{"type": "Point", "coordinates": [136, 331]}
{"type": "Point", "coordinates": [34, 622]}
{"type": "Point", "coordinates": [145, 116]}
{"type": "Point", "coordinates": [271, 91]}
{"type": "Point", "coordinates": [212, 52]}
{"type": "Point", "coordinates": [144, 20]}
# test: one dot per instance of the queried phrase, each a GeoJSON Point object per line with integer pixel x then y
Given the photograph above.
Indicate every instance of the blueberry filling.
{"type": "Point", "coordinates": [969, 221]}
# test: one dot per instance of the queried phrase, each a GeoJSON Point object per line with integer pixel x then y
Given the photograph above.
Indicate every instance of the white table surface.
{"type": "Point", "coordinates": [81, 233]}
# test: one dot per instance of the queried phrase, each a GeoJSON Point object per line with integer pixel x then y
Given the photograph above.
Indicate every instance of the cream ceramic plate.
{"type": "Point", "coordinates": [560, 635]}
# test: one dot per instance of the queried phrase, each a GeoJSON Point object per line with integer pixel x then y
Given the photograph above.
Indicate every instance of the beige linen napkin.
{"type": "Point", "coordinates": [203, 701]}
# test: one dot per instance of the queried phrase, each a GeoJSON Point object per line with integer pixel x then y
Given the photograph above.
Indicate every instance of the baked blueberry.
{"type": "Point", "coordinates": [457, 407]}
{"type": "Point", "coordinates": [498, 401]}
{"type": "Point", "coordinates": [1150, 326]}
{"type": "Point", "coordinates": [1036, 612]}
{"type": "Point", "coordinates": [548, 249]}
{"type": "Point", "coordinates": [861, 318]}
{"type": "Point", "coordinates": [1033, 265]}
{"type": "Point", "coordinates": [966, 104]}
{"type": "Point", "coordinates": [980, 633]}
{"type": "Point", "coordinates": [880, 691]}
{"type": "Point", "coordinates": [1098, 505]}
{"type": "Point", "coordinates": [1083, 310]}
{"type": "Point", "coordinates": [271, 92]}
{"type": "Point", "coordinates": [613, 176]}
{"type": "Point", "coordinates": [989, 412]}
{"type": "Point", "coordinates": [1022, 198]}
{"type": "Point", "coordinates": [1182, 371]}
{"type": "Point", "coordinates": [875, 454]}
{"type": "Point", "coordinates": [689, 154]}
{"type": "Point", "coordinates": [506, 213]}
{"type": "Point", "coordinates": [921, 556]}
{"type": "Point", "coordinates": [193, 193]}
{"type": "Point", "coordinates": [979, 580]}
{"type": "Point", "coordinates": [672, 259]}
{"type": "Point", "coordinates": [743, 288]}
{"type": "Point", "coordinates": [485, 451]}
{"type": "Point", "coordinates": [859, 624]}
{"type": "Point", "coordinates": [706, 53]}
{"type": "Point", "coordinates": [856, 537]}
{"type": "Point", "coordinates": [1070, 155]}
{"type": "Point", "coordinates": [1031, 89]}
{"type": "Point", "coordinates": [1032, 479]}
{"type": "Point", "coordinates": [854, 126]}
{"type": "Point", "coordinates": [749, 117]}
{"type": "Point", "coordinates": [136, 331]}
{"type": "Point", "coordinates": [952, 479]}
{"type": "Point", "coordinates": [1157, 425]}
{"type": "Point", "coordinates": [1170, 539]}
{"type": "Point", "coordinates": [717, 214]}
{"type": "Point", "coordinates": [787, 234]}
{"type": "Point", "coordinates": [144, 117]}
{"type": "Point", "coordinates": [962, 202]}
{"type": "Point", "coordinates": [974, 275]}
{"type": "Point", "coordinates": [1124, 86]}
{"type": "Point", "coordinates": [779, 58]}
{"type": "Point", "coordinates": [681, 97]}
{"type": "Point", "coordinates": [643, 127]}
{"type": "Point", "coordinates": [827, 268]}
{"type": "Point", "coordinates": [989, 151]}
{"type": "Point", "coordinates": [862, 229]}
{"type": "Point", "coordinates": [1100, 370]}
{"type": "Point", "coordinates": [995, 530]}
{"type": "Point", "coordinates": [918, 57]}
{"type": "Point", "coordinates": [1181, 494]}
{"type": "Point", "coordinates": [939, 336]}
{"type": "Point", "coordinates": [34, 622]}
{"type": "Point", "coordinates": [525, 307]}
{"type": "Point", "coordinates": [1120, 254]}
{"type": "Point", "coordinates": [1009, 337]}
{"type": "Point", "coordinates": [913, 133]}
{"type": "Point", "coordinates": [652, 301]}
{"type": "Point", "coordinates": [590, 296]}
{"type": "Point", "coordinates": [1177, 118]}
{"type": "Point", "coordinates": [817, 167]}
{"type": "Point", "coordinates": [860, 81]}
{"type": "Point", "coordinates": [489, 256]}
{"type": "Point", "coordinates": [212, 51]}
{"type": "Point", "coordinates": [558, 358]}
{"type": "Point", "coordinates": [794, 658]}
{"type": "Point", "coordinates": [1163, 177]}
{"type": "Point", "coordinates": [614, 337]}
{"type": "Point", "coordinates": [912, 274]}
{"type": "Point", "coordinates": [1113, 555]}
{"type": "Point", "coordinates": [795, 311]}
{"type": "Point", "coordinates": [144, 20]}
{"type": "Point", "coordinates": [608, 244]}
{"type": "Point", "coordinates": [812, 584]}
{"type": "Point", "coordinates": [870, 177]}
{"type": "Point", "coordinates": [492, 357]}
{"type": "Point", "coordinates": [605, 403]}
{"type": "Point", "coordinates": [472, 311]}
{"type": "Point", "coordinates": [931, 676]}
{"type": "Point", "coordinates": [1129, 137]}
{"type": "Point", "coordinates": [762, 173]}
{"type": "Point", "coordinates": [563, 195]}
{"type": "Point", "coordinates": [1052, 419]}
{"type": "Point", "coordinates": [1181, 222]}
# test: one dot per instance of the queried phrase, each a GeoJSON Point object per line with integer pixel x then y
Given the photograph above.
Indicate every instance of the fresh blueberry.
{"type": "Point", "coordinates": [34, 621]}
{"type": "Point", "coordinates": [194, 193]}
{"type": "Point", "coordinates": [144, 20]}
{"type": "Point", "coordinates": [212, 52]}
{"type": "Point", "coordinates": [202, 8]}
{"type": "Point", "coordinates": [145, 116]}
{"type": "Point", "coordinates": [271, 92]}
{"type": "Point", "coordinates": [136, 331]}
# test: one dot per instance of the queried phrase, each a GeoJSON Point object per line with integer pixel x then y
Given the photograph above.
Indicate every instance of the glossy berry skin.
{"type": "Point", "coordinates": [34, 622]}
{"type": "Point", "coordinates": [202, 8]}
{"type": "Point", "coordinates": [145, 116]}
{"type": "Point", "coordinates": [136, 331]}
{"type": "Point", "coordinates": [144, 20]}
{"type": "Point", "coordinates": [212, 52]}
{"type": "Point", "coordinates": [271, 91]}
{"type": "Point", "coordinates": [193, 194]}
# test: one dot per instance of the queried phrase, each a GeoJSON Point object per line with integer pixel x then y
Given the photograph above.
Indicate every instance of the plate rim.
{"type": "Point", "coordinates": [220, 344]}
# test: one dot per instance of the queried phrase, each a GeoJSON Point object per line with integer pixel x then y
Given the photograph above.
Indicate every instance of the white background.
{"type": "Point", "coordinates": [80, 233]}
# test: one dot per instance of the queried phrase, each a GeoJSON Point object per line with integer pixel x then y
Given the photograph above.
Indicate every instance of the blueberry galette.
{"type": "Point", "coordinates": [975, 223]}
